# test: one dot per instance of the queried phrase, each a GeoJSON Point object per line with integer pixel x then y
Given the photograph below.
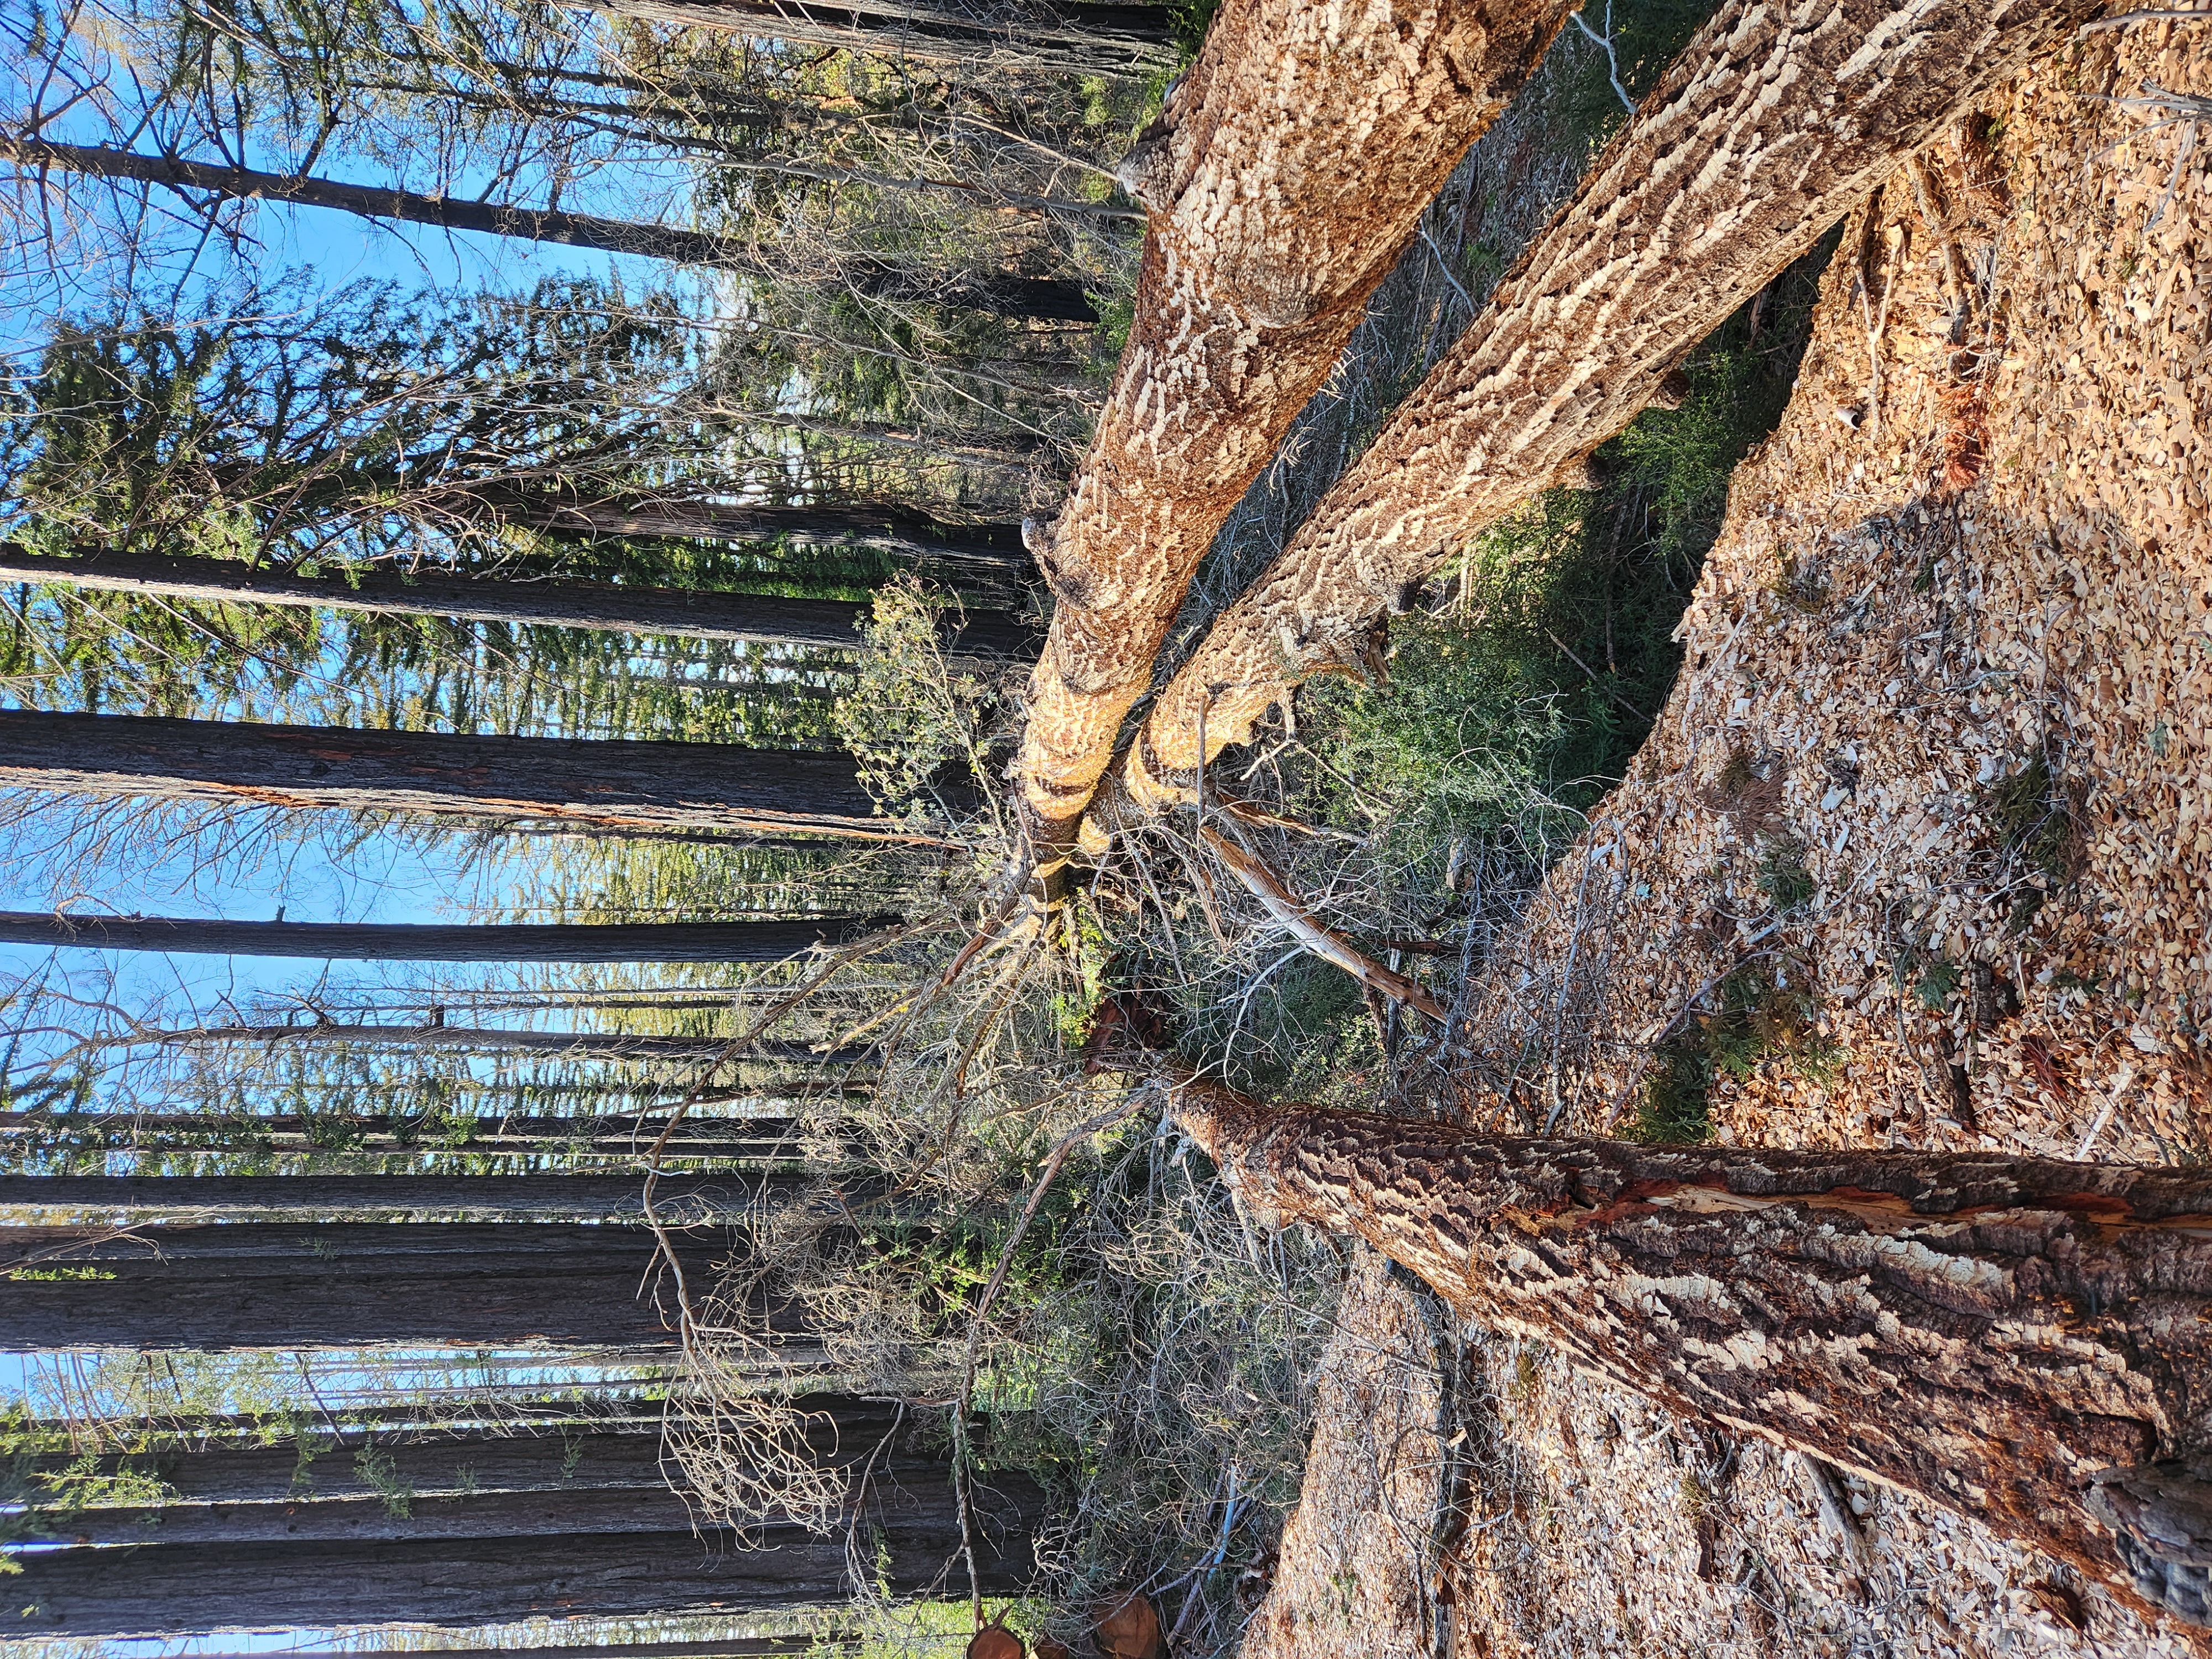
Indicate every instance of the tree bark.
{"type": "Point", "coordinates": [1042, 299]}
{"type": "Point", "coordinates": [148, 1200]}
{"type": "Point", "coordinates": [491, 1040]}
{"type": "Point", "coordinates": [1773, 125]}
{"type": "Point", "coordinates": [737, 1647]}
{"type": "Point", "coordinates": [1293, 164]}
{"type": "Point", "coordinates": [660, 941]}
{"type": "Point", "coordinates": [602, 607]}
{"type": "Point", "coordinates": [1986, 1332]}
{"type": "Point", "coordinates": [612, 784]}
{"type": "Point", "coordinates": [342, 1284]}
{"type": "Point", "coordinates": [1084, 37]}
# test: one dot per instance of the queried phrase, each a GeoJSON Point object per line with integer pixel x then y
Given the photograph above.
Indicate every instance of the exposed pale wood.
{"type": "Point", "coordinates": [1290, 167]}
{"type": "Point", "coordinates": [1285, 906]}
{"type": "Point", "coordinates": [1988, 1333]}
{"type": "Point", "coordinates": [1772, 126]}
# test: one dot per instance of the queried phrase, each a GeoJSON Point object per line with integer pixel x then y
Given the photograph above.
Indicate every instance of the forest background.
{"type": "Point", "coordinates": [659, 297]}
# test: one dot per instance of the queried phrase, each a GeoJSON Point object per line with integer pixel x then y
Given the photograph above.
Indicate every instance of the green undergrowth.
{"type": "Point", "coordinates": [1517, 700]}
{"type": "Point", "coordinates": [1764, 1011]}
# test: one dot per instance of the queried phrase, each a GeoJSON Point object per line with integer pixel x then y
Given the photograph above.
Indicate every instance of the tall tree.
{"type": "Point", "coordinates": [1288, 170]}
{"type": "Point", "coordinates": [486, 1198]}
{"type": "Point", "coordinates": [499, 1039]}
{"type": "Point", "coordinates": [1767, 129]}
{"type": "Point", "coordinates": [606, 607]}
{"type": "Point", "coordinates": [1035, 298]}
{"type": "Point", "coordinates": [2025, 1342]}
{"type": "Point", "coordinates": [598, 783]}
{"type": "Point", "coordinates": [341, 1284]}
{"type": "Point", "coordinates": [1078, 37]}
{"type": "Point", "coordinates": [662, 941]}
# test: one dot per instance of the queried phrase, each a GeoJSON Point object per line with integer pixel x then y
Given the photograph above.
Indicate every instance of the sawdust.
{"type": "Point", "coordinates": [1939, 762]}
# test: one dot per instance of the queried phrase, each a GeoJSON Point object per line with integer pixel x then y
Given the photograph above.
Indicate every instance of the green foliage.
{"type": "Point", "coordinates": [1782, 877]}
{"type": "Point", "coordinates": [915, 720]}
{"type": "Point", "coordinates": [2034, 815]}
{"type": "Point", "coordinates": [1765, 1011]}
{"type": "Point", "coordinates": [46, 1482]}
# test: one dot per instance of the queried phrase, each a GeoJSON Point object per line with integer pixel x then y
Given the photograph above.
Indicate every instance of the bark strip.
{"type": "Point", "coordinates": [1773, 125]}
{"type": "Point", "coordinates": [1987, 1332]}
{"type": "Point", "coordinates": [1288, 170]}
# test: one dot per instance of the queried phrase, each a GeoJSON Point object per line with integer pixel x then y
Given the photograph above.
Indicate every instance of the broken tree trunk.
{"type": "Point", "coordinates": [1772, 126]}
{"type": "Point", "coordinates": [602, 607]}
{"type": "Point", "coordinates": [1288, 170]}
{"type": "Point", "coordinates": [587, 783]}
{"type": "Point", "coordinates": [1990, 1333]}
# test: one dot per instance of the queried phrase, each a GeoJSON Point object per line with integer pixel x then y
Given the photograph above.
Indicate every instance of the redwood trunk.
{"type": "Point", "coordinates": [603, 783]}
{"type": "Point", "coordinates": [280, 1285]}
{"type": "Point", "coordinates": [1043, 298]}
{"type": "Point", "coordinates": [140, 1201]}
{"type": "Point", "coordinates": [55, 1137]}
{"type": "Point", "coordinates": [604, 607]}
{"type": "Point", "coordinates": [1773, 125]}
{"type": "Point", "coordinates": [494, 1040]}
{"type": "Point", "coordinates": [1085, 37]}
{"type": "Point", "coordinates": [1299, 154]}
{"type": "Point", "coordinates": [1987, 1332]}
{"type": "Point", "coordinates": [661, 941]}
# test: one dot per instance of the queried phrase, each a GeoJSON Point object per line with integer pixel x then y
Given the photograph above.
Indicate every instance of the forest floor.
{"type": "Point", "coordinates": [1918, 854]}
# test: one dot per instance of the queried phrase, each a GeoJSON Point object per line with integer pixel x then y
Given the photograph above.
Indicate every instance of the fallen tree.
{"type": "Point", "coordinates": [1773, 125]}
{"type": "Point", "coordinates": [2023, 1342]}
{"type": "Point", "coordinates": [1288, 170]}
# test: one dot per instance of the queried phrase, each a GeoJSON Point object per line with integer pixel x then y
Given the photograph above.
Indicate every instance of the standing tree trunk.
{"type": "Point", "coordinates": [492, 1040]}
{"type": "Point", "coordinates": [602, 607]}
{"type": "Point", "coordinates": [1290, 167]}
{"type": "Point", "coordinates": [344, 1285]}
{"type": "Point", "coordinates": [1041, 299]}
{"type": "Point", "coordinates": [86, 1138]}
{"type": "Point", "coordinates": [1078, 37]}
{"type": "Point", "coordinates": [607, 783]}
{"type": "Point", "coordinates": [1990, 1333]}
{"type": "Point", "coordinates": [657, 941]}
{"type": "Point", "coordinates": [1772, 126]}
{"type": "Point", "coordinates": [148, 1200]}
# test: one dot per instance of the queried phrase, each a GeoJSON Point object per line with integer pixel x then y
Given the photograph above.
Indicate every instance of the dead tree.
{"type": "Point", "coordinates": [1771, 127]}
{"type": "Point", "coordinates": [615, 784]}
{"type": "Point", "coordinates": [1287, 171]}
{"type": "Point", "coordinates": [601, 607]}
{"type": "Point", "coordinates": [2026, 1342]}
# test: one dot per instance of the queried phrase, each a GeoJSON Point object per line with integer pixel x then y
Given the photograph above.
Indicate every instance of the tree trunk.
{"type": "Point", "coordinates": [342, 1285]}
{"type": "Point", "coordinates": [176, 1589]}
{"type": "Point", "coordinates": [1301, 151]}
{"type": "Point", "coordinates": [1986, 1332]}
{"type": "Point", "coordinates": [471, 1484]}
{"type": "Point", "coordinates": [659, 941]}
{"type": "Point", "coordinates": [1772, 126]}
{"type": "Point", "coordinates": [943, 548]}
{"type": "Point", "coordinates": [494, 1040]}
{"type": "Point", "coordinates": [735, 1647]}
{"type": "Point", "coordinates": [602, 607]}
{"type": "Point", "coordinates": [51, 1138]}
{"type": "Point", "coordinates": [595, 783]}
{"type": "Point", "coordinates": [1042, 299]}
{"type": "Point", "coordinates": [1084, 37]}
{"type": "Point", "coordinates": [147, 1201]}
